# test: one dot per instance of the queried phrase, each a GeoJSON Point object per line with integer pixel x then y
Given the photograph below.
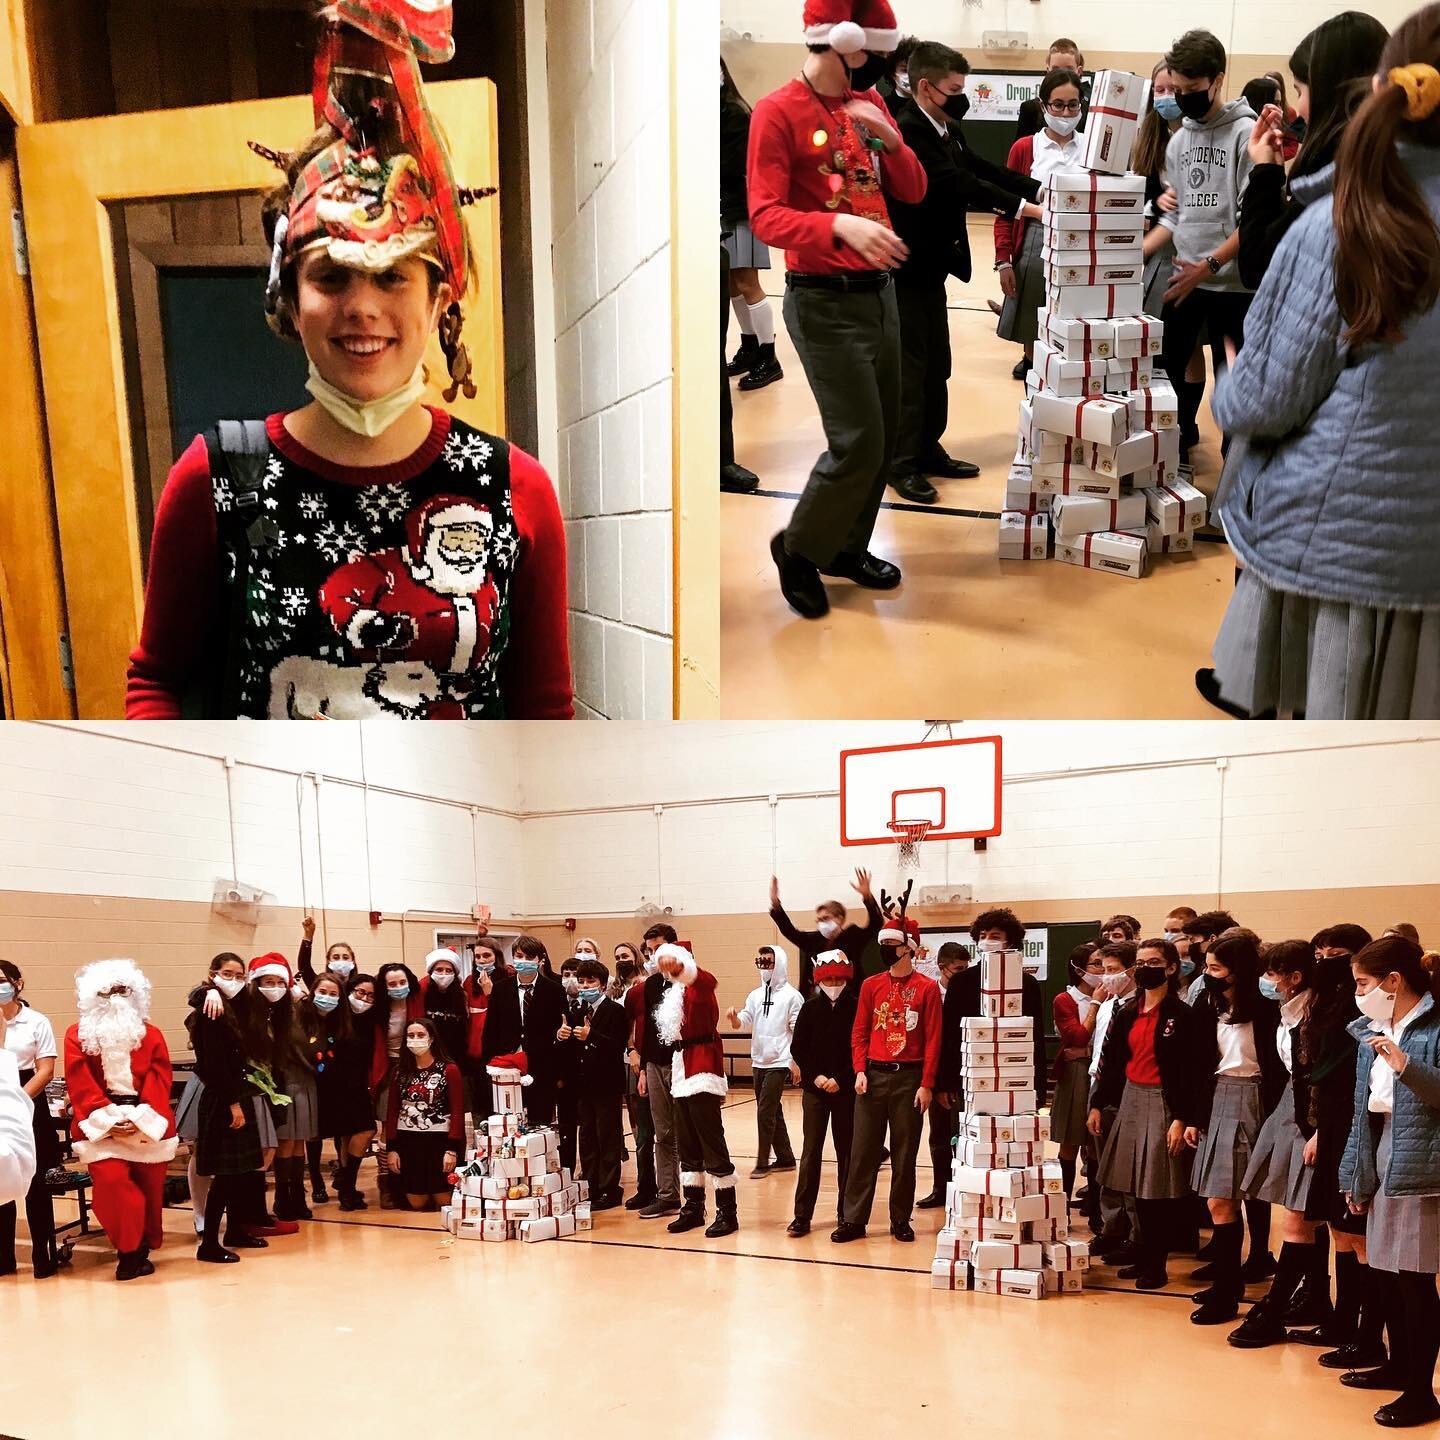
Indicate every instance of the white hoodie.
{"type": "Point", "coordinates": [771, 1029]}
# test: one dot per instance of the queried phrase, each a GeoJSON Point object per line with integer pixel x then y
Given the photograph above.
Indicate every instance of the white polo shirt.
{"type": "Point", "coordinates": [29, 1037]}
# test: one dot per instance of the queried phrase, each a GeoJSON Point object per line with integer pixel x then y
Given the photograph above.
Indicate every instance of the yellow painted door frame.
{"type": "Point", "coordinates": [72, 172]}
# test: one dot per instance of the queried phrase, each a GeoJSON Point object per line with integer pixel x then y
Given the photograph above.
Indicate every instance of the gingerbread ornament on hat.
{"type": "Point", "coordinates": [848, 26]}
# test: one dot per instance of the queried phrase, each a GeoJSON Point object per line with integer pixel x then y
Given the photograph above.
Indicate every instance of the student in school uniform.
{"type": "Point", "coordinates": [567, 1062]}
{"type": "Point", "coordinates": [398, 1001]}
{"type": "Point", "coordinates": [1242, 1078]}
{"type": "Point", "coordinates": [1075, 1010]}
{"type": "Point", "coordinates": [30, 1038]}
{"type": "Point", "coordinates": [478, 986]}
{"type": "Point", "coordinates": [821, 1049]}
{"type": "Point", "coordinates": [1279, 1172]}
{"type": "Point", "coordinates": [1203, 930]}
{"type": "Point", "coordinates": [340, 1045]}
{"type": "Point", "coordinates": [599, 1078]}
{"type": "Point", "coordinates": [445, 1005]}
{"type": "Point", "coordinates": [425, 1124]}
{"type": "Point", "coordinates": [1147, 1075]}
{"type": "Point", "coordinates": [1391, 1168]}
{"type": "Point", "coordinates": [1054, 149]}
{"type": "Point", "coordinates": [831, 931]}
{"type": "Point", "coordinates": [1175, 933]}
{"type": "Point", "coordinates": [1160, 122]}
{"type": "Point", "coordinates": [1117, 1233]}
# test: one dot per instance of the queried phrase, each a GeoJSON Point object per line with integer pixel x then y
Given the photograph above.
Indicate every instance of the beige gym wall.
{"type": "Point", "coordinates": [49, 936]}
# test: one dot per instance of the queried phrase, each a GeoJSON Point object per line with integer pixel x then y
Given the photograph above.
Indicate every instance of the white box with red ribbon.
{"type": "Point", "coordinates": [1002, 1102]}
{"type": "Point", "coordinates": [1116, 97]}
{"type": "Point", "coordinates": [1117, 552]}
{"type": "Point", "coordinates": [972, 1180]}
{"type": "Point", "coordinates": [1073, 192]}
{"type": "Point", "coordinates": [1077, 339]}
{"type": "Point", "coordinates": [1003, 1255]}
{"type": "Point", "coordinates": [1076, 515]}
{"type": "Point", "coordinates": [1094, 234]}
{"type": "Point", "coordinates": [1162, 544]}
{"type": "Point", "coordinates": [1141, 451]}
{"type": "Point", "coordinates": [1073, 378]}
{"type": "Point", "coordinates": [1071, 267]}
{"type": "Point", "coordinates": [951, 1275]}
{"type": "Point", "coordinates": [1123, 376]}
{"type": "Point", "coordinates": [1176, 506]}
{"type": "Point", "coordinates": [1024, 535]}
{"type": "Point", "coordinates": [1155, 407]}
{"type": "Point", "coordinates": [1095, 301]}
{"type": "Point", "coordinates": [1068, 1255]}
{"type": "Point", "coordinates": [1137, 335]}
{"type": "Point", "coordinates": [1100, 419]}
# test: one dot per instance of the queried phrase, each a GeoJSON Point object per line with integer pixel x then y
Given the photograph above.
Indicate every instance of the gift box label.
{"type": "Point", "coordinates": [1024, 535]}
{"type": "Point", "coordinates": [1002, 1102]}
{"type": "Point", "coordinates": [1075, 191]}
{"type": "Point", "coordinates": [1118, 267]}
{"type": "Point", "coordinates": [1179, 508]}
{"type": "Point", "coordinates": [1076, 515]}
{"type": "Point", "coordinates": [1023, 1282]}
{"type": "Point", "coordinates": [1116, 552]}
{"type": "Point", "coordinates": [1159, 543]}
{"type": "Point", "coordinates": [1000, 1255]}
{"type": "Point", "coordinates": [1137, 335]}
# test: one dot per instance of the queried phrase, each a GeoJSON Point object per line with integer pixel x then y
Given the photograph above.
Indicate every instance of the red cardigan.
{"type": "Point", "coordinates": [1068, 1026]}
{"type": "Point", "coordinates": [1010, 232]}
{"type": "Point", "coordinates": [380, 1057]}
{"type": "Point", "coordinates": [456, 1088]}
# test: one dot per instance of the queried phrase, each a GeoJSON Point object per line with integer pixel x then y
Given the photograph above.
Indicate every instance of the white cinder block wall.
{"type": "Point", "coordinates": [610, 180]}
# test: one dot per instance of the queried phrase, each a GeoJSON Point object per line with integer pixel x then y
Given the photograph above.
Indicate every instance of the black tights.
{"type": "Point", "coordinates": [1415, 1331]}
{"type": "Point", "coordinates": [227, 1194]}
{"type": "Point", "coordinates": [40, 1216]}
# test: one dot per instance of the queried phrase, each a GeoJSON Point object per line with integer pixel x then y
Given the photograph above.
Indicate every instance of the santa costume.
{"type": "Point", "coordinates": [117, 1072]}
{"type": "Point", "coordinates": [688, 1018]}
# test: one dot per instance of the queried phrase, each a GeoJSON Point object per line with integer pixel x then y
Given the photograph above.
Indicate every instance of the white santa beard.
{"type": "Point", "coordinates": [670, 1014]}
{"type": "Point", "coordinates": [113, 1031]}
{"type": "Point", "coordinates": [448, 579]}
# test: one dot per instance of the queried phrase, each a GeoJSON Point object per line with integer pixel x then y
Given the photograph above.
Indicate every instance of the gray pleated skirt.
{"type": "Point", "coordinates": [1071, 1103]}
{"type": "Point", "coordinates": [1402, 1232]}
{"type": "Point", "coordinates": [745, 251]}
{"type": "Point", "coordinates": [1017, 315]}
{"type": "Point", "coordinates": [1157, 277]}
{"type": "Point", "coordinates": [1277, 1171]}
{"type": "Point", "coordinates": [1223, 1155]}
{"type": "Point", "coordinates": [1283, 652]}
{"type": "Point", "coordinates": [187, 1112]}
{"type": "Point", "coordinates": [1137, 1161]}
{"type": "Point", "coordinates": [264, 1122]}
{"type": "Point", "coordinates": [300, 1119]}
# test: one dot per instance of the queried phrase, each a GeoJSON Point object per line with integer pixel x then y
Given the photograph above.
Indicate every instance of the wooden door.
{"type": "Point", "coordinates": [74, 176]}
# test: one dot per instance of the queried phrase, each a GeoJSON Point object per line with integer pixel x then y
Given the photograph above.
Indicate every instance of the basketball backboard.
{"type": "Point", "coordinates": [954, 784]}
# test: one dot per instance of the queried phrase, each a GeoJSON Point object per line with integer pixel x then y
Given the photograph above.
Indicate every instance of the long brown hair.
{"type": "Point", "coordinates": [1387, 254]}
{"type": "Point", "coordinates": [1394, 954]}
{"type": "Point", "coordinates": [1154, 134]}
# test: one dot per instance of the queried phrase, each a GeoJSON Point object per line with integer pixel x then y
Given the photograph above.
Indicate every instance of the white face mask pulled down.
{"type": "Point", "coordinates": [1377, 1005]}
{"type": "Point", "coordinates": [366, 417]}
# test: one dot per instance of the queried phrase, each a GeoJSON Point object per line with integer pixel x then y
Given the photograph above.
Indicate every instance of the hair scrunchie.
{"type": "Point", "coordinates": [1421, 84]}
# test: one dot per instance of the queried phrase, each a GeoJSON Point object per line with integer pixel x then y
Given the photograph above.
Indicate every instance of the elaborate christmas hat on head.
{"type": "Point", "coordinates": [851, 25]}
{"type": "Point", "coordinates": [435, 957]}
{"type": "Point", "coordinates": [832, 965]}
{"type": "Point", "coordinates": [383, 190]}
{"type": "Point", "coordinates": [273, 964]}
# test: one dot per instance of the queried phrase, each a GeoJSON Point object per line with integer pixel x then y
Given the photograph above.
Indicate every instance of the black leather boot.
{"type": "Point", "coordinates": [725, 1221]}
{"type": "Point", "coordinates": [692, 1212]}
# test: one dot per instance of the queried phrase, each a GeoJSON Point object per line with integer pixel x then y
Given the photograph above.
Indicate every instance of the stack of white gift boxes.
{"type": "Point", "coordinates": [512, 1185]}
{"type": "Point", "coordinates": [1095, 477]}
{"type": "Point", "coordinates": [1007, 1221]}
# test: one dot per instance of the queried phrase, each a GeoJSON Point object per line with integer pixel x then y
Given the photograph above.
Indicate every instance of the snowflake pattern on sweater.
{"type": "Point", "coordinates": [378, 600]}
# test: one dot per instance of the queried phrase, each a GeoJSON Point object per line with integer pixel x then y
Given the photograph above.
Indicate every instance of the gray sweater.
{"type": "Point", "coordinates": [1329, 488]}
{"type": "Point", "coordinates": [1208, 163]}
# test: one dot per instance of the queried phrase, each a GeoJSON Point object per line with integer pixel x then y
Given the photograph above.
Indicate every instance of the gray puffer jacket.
{"type": "Point", "coordinates": [1414, 1167]}
{"type": "Point", "coordinates": [1330, 490]}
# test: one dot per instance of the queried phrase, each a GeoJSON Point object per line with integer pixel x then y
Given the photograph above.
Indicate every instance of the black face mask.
{"type": "Point", "coordinates": [864, 76]}
{"type": "Point", "coordinates": [956, 106]}
{"type": "Point", "coordinates": [1149, 977]}
{"type": "Point", "coordinates": [1216, 984]}
{"type": "Point", "coordinates": [1194, 104]}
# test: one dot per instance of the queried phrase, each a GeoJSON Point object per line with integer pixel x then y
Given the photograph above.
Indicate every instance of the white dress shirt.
{"type": "Point", "coordinates": [1052, 159]}
{"type": "Point", "coordinates": [1382, 1077]}
{"type": "Point", "coordinates": [1291, 1013]}
{"type": "Point", "coordinates": [30, 1037]}
{"type": "Point", "coordinates": [1237, 1051]}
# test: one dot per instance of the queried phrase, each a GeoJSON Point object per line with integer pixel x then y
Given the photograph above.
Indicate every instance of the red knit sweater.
{"type": "Point", "coordinates": [922, 1042]}
{"type": "Point", "coordinates": [180, 621]}
{"type": "Point", "coordinates": [1008, 231]}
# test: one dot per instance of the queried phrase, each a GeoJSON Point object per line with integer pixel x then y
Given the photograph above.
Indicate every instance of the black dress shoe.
{"type": "Point", "coordinates": [1209, 688]}
{"type": "Point", "coordinates": [866, 570]}
{"type": "Point", "coordinates": [933, 1201]}
{"type": "Point", "coordinates": [1022, 368]}
{"type": "Point", "coordinates": [1386, 1377]}
{"type": "Point", "coordinates": [948, 468]}
{"type": "Point", "coordinates": [845, 1232]}
{"type": "Point", "coordinates": [737, 480]}
{"type": "Point", "coordinates": [1214, 1312]}
{"type": "Point", "coordinates": [1408, 1410]}
{"type": "Point", "coordinates": [1129, 1272]}
{"type": "Point", "coordinates": [902, 1231]}
{"type": "Point", "coordinates": [915, 488]}
{"type": "Point", "coordinates": [799, 581]}
{"type": "Point", "coordinates": [1152, 1280]}
{"type": "Point", "coordinates": [744, 357]}
{"type": "Point", "coordinates": [765, 371]}
{"type": "Point", "coordinates": [217, 1255]}
{"type": "Point", "coordinates": [797, 1228]}
{"type": "Point", "coordinates": [1354, 1357]}
{"type": "Point", "coordinates": [1261, 1327]}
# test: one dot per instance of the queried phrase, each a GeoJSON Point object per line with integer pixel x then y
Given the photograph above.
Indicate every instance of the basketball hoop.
{"type": "Point", "coordinates": [909, 836]}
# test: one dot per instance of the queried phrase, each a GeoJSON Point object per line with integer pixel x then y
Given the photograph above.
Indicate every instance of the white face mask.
{"type": "Point", "coordinates": [366, 417]}
{"type": "Point", "coordinates": [833, 991]}
{"type": "Point", "coordinates": [1062, 124]}
{"type": "Point", "coordinates": [416, 1047]}
{"type": "Point", "coordinates": [991, 947]}
{"type": "Point", "coordinates": [651, 965]}
{"type": "Point", "coordinates": [228, 988]}
{"type": "Point", "coordinates": [828, 928]}
{"type": "Point", "coordinates": [1117, 983]}
{"type": "Point", "coordinates": [1172, 936]}
{"type": "Point", "coordinates": [360, 1006]}
{"type": "Point", "coordinates": [273, 993]}
{"type": "Point", "coordinates": [1377, 1004]}
{"type": "Point", "coordinates": [343, 967]}
{"type": "Point", "coordinates": [443, 979]}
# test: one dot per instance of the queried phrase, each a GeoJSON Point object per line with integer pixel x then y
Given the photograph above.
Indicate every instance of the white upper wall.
{"type": "Point", "coordinates": [1259, 27]}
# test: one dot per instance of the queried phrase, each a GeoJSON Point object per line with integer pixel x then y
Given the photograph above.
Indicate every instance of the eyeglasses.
{"type": "Point", "coordinates": [1063, 107]}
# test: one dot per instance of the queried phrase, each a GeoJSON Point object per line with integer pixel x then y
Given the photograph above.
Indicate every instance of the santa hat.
{"type": "Point", "coordinates": [851, 25]}
{"type": "Point", "coordinates": [272, 964]}
{"type": "Point", "coordinates": [437, 512]}
{"type": "Point", "coordinates": [436, 956]}
{"type": "Point", "coordinates": [893, 934]}
{"type": "Point", "coordinates": [832, 965]}
{"type": "Point", "coordinates": [500, 1066]}
{"type": "Point", "coordinates": [683, 955]}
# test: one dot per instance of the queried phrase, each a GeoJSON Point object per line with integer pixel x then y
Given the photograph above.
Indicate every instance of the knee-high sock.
{"type": "Point", "coordinates": [741, 306]}
{"type": "Point", "coordinates": [1294, 1263]}
{"type": "Point", "coordinates": [216, 1200]}
{"type": "Point", "coordinates": [1067, 1175]}
{"type": "Point", "coordinates": [1348, 1283]}
{"type": "Point", "coordinates": [1318, 1274]}
{"type": "Point", "coordinates": [1419, 1305]}
{"type": "Point", "coordinates": [762, 320]}
{"type": "Point", "coordinates": [312, 1157]}
{"type": "Point", "coordinates": [1257, 1221]}
{"type": "Point", "coordinates": [1229, 1239]}
{"type": "Point", "coordinates": [1378, 1313]}
{"type": "Point", "coordinates": [1189, 395]}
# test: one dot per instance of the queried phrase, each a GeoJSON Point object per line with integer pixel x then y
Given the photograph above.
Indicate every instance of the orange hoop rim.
{"type": "Point", "coordinates": [912, 831]}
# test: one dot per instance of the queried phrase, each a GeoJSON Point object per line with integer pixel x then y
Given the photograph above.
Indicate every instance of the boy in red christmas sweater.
{"type": "Point", "coordinates": [824, 153]}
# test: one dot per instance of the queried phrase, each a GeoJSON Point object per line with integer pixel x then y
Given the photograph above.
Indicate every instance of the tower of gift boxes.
{"type": "Point", "coordinates": [1007, 1220]}
{"type": "Point", "coordinates": [1095, 479]}
{"type": "Point", "coordinates": [512, 1185]}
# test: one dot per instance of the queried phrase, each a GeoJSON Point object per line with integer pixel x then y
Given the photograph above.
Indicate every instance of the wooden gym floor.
{"type": "Point", "coordinates": [376, 1324]}
{"type": "Point", "coordinates": [1022, 639]}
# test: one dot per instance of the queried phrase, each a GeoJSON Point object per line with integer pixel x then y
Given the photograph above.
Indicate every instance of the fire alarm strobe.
{"type": "Point", "coordinates": [946, 789]}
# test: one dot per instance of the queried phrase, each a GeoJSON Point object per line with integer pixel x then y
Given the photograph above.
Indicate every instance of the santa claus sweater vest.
{"type": "Point", "coordinates": [390, 592]}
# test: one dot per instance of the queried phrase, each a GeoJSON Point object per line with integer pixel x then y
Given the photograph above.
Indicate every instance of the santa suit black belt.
{"type": "Point", "coordinates": [709, 1039]}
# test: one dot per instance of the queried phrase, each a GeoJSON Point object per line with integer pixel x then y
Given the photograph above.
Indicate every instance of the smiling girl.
{"type": "Point", "coordinates": [367, 554]}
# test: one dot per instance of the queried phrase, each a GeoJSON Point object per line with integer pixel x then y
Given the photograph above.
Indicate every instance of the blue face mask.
{"type": "Point", "coordinates": [397, 992]}
{"type": "Point", "coordinates": [1167, 107]}
{"type": "Point", "coordinates": [326, 1003]}
{"type": "Point", "coordinates": [527, 969]}
{"type": "Point", "coordinates": [589, 993]}
{"type": "Point", "coordinates": [1269, 989]}
{"type": "Point", "coordinates": [7, 993]}
{"type": "Point", "coordinates": [1187, 968]}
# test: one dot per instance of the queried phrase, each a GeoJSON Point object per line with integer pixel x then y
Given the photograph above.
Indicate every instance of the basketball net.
{"type": "Point", "coordinates": [909, 836]}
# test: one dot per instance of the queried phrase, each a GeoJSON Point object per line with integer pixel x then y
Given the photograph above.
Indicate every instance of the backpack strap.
{"type": "Point", "coordinates": [244, 447]}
